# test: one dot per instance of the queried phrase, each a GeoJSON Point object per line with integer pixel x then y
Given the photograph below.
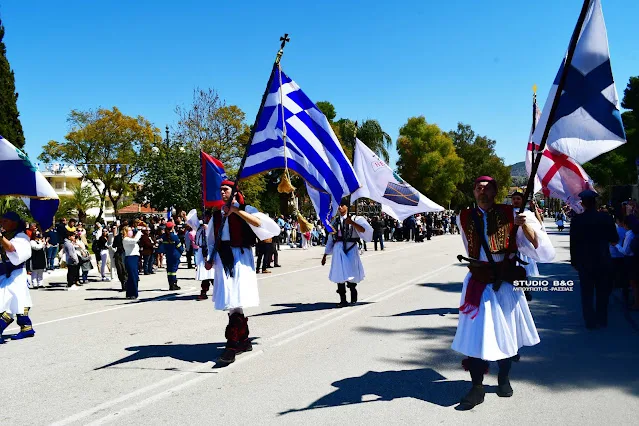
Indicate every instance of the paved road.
{"type": "Point", "coordinates": [99, 359]}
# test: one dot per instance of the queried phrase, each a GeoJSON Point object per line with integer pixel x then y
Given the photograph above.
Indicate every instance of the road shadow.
{"type": "Point", "coordinates": [161, 298]}
{"type": "Point", "coordinates": [568, 356]}
{"type": "Point", "coordinates": [449, 287]}
{"type": "Point", "coordinates": [424, 384]}
{"type": "Point", "coordinates": [198, 353]}
{"type": "Point", "coordinates": [435, 311]}
{"type": "Point", "coordinates": [292, 308]}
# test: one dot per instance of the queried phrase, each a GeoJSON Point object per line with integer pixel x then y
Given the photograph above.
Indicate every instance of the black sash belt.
{"type": "Point", "coordinates": [6, 268]}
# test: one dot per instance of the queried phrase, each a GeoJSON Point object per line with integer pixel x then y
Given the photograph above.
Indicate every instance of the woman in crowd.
{"type": "Point", "coordinates": [73, 262]}
{"type": "Point", "coordinates": [38, 260]}
{"type": "Point", "coordinates": [101, 251]}
{"type": "Point", "coordinates": [131, 258]}
{"type": "Point", "coordinates": [53, 243]}
{"type": "Point", "coordinates": [84, 258]}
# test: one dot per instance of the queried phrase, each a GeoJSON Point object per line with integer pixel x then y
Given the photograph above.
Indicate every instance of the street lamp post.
{"type": "Point", "coordinates": [167, 136]}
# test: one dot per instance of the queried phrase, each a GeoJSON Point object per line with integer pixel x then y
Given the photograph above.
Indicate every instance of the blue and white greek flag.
{"type": "Point", "coordinates": [587, 122]}
{"type": "Point", "coordinates": [20, 178]}
{"type": "Point", "coordinates": [312, 149]}
{"type": "Point", "coordinates": [322, 203]}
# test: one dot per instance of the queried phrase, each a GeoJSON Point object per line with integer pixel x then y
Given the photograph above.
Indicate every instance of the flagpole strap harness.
{"type": "Point", "coordinates": [346, 235]}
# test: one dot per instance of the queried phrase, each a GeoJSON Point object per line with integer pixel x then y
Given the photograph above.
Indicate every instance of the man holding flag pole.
{"type": "Point", "coordinates": [580, 121]}
{"type": "Point", "coordinates": [231, 234]}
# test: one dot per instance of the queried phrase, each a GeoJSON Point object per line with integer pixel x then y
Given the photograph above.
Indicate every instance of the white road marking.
{"type": "Point", "coordinates": [316, 325]}
{"type": "Point", "coordinates": [130, 305]}
{"type": "Point", "coordinates": [117, 414]}
{"type": "Point", "coordinates": [104, 406]}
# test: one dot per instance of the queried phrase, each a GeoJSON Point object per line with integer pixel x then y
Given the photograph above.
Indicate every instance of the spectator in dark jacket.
{"type": "Point", "coordinates": [53, 244]}
{"type": "Point", "coordinates": [118, 258]}
{"type": "Point", "coordinates": [378, 232]}
{"type": "Point", "coordinates": [147, 245]}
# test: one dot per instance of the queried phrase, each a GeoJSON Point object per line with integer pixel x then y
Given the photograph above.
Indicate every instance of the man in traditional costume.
{"type": "Point", "coordinates": [232, 232]}
{"type": "Point", "coordinates": [346, 266]}
{"type": "Point", "coordinates": [171, 246]}
{"type": "Point", "coordinates": [15, 250]}
{"type": "Point", "coordinates": [201, 251]}
{"type": "Point", "coordinates": [495, 320]}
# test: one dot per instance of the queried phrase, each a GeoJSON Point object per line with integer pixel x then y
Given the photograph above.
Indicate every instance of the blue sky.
{"type": "Point", "coordinates": [451, 61]}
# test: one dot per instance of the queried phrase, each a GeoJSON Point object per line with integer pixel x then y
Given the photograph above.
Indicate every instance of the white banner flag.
{"type": "Point", "coordinates": [379, 183]}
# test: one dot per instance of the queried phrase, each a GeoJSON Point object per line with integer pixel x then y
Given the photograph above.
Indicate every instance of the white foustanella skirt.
{"type": "Point", "coordinates": [239, 291]}
{"type": "Point", "coordinates": [503, 325]}
{"type": "Point", "coordinates": [14, 293]}
{"type": "Point", "coordinates": [202, 273]}
{"type": "Point", "coordinates": [346, 267]}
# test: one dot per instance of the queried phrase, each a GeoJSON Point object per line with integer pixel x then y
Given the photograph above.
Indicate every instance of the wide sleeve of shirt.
{"type": "Point", "coordinates": [367, 235]}
{"type": "Point", "coordinates": [545, 252]}
{"type": "Point", "coordinates": [268, 227]}
{"type": "Point", "coordinates": [330, 243]}
{"type": "Point", "coordinates": [22, 252]}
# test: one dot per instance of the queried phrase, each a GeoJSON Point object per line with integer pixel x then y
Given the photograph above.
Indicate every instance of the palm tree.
{"type": "Point", "coordinates": [80, 201]}
{"type": "Point", "coordinates": [374, 137]}
{"type": "Point", "coordinates": [14, 204]}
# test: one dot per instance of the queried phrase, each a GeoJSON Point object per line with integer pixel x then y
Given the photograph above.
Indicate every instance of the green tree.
{"type": "Point", "coordinates": [374, 137]}
{"type": "Point", "coordinates": [10, 126]}
{"type": "Point", "coordinates": [617, 167]}
{"type": "Point", "coordinates": [171, 178]}
{"type": "Point", "coordinates": [16, 205]}
{"type": "Point", "coordinates": [480, 159]}
{"type": "Point", "coordinates": [99, 142]}
{"type": "Point", "coordinates": [82, 199]}
{"type": "Point", "coordinates": [428, 161]}
{"type": "Point", "coordinates": [328, 109]}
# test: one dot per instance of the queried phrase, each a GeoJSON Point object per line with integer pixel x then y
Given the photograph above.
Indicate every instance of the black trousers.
{"type": "Point", "coordinates": [264, 252]}
{"type": "Point", "coordinates": [118, 258]}
{"type": "Point", "coordinates": [73, 274]}
{"type": "Point", "coordinates": [189, 258]}
{"type": "Point", "coordinates": [274, 249]}
{"type": "Point", "coordinates": [595, 294]}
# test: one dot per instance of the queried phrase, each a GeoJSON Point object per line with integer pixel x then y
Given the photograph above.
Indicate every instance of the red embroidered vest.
{"type": "Point", "coordinates": [241, 233]}
{"type": "Point", "coordinates": [501, 221]}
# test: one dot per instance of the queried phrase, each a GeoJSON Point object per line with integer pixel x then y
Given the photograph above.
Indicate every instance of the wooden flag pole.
{"type": "Point", "coordinates": [555, 103]}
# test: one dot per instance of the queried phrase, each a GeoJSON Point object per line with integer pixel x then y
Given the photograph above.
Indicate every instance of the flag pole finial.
{"type": "Point", "coordinates": [285, 39]}
{"type": "Point", "coordinates": [534, 89]}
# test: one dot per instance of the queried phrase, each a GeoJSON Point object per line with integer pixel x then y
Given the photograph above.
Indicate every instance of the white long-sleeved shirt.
{"type": "Point", "coordinates": [131, 247]}
{"type": "Point", "coordinates": [625, 248]}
